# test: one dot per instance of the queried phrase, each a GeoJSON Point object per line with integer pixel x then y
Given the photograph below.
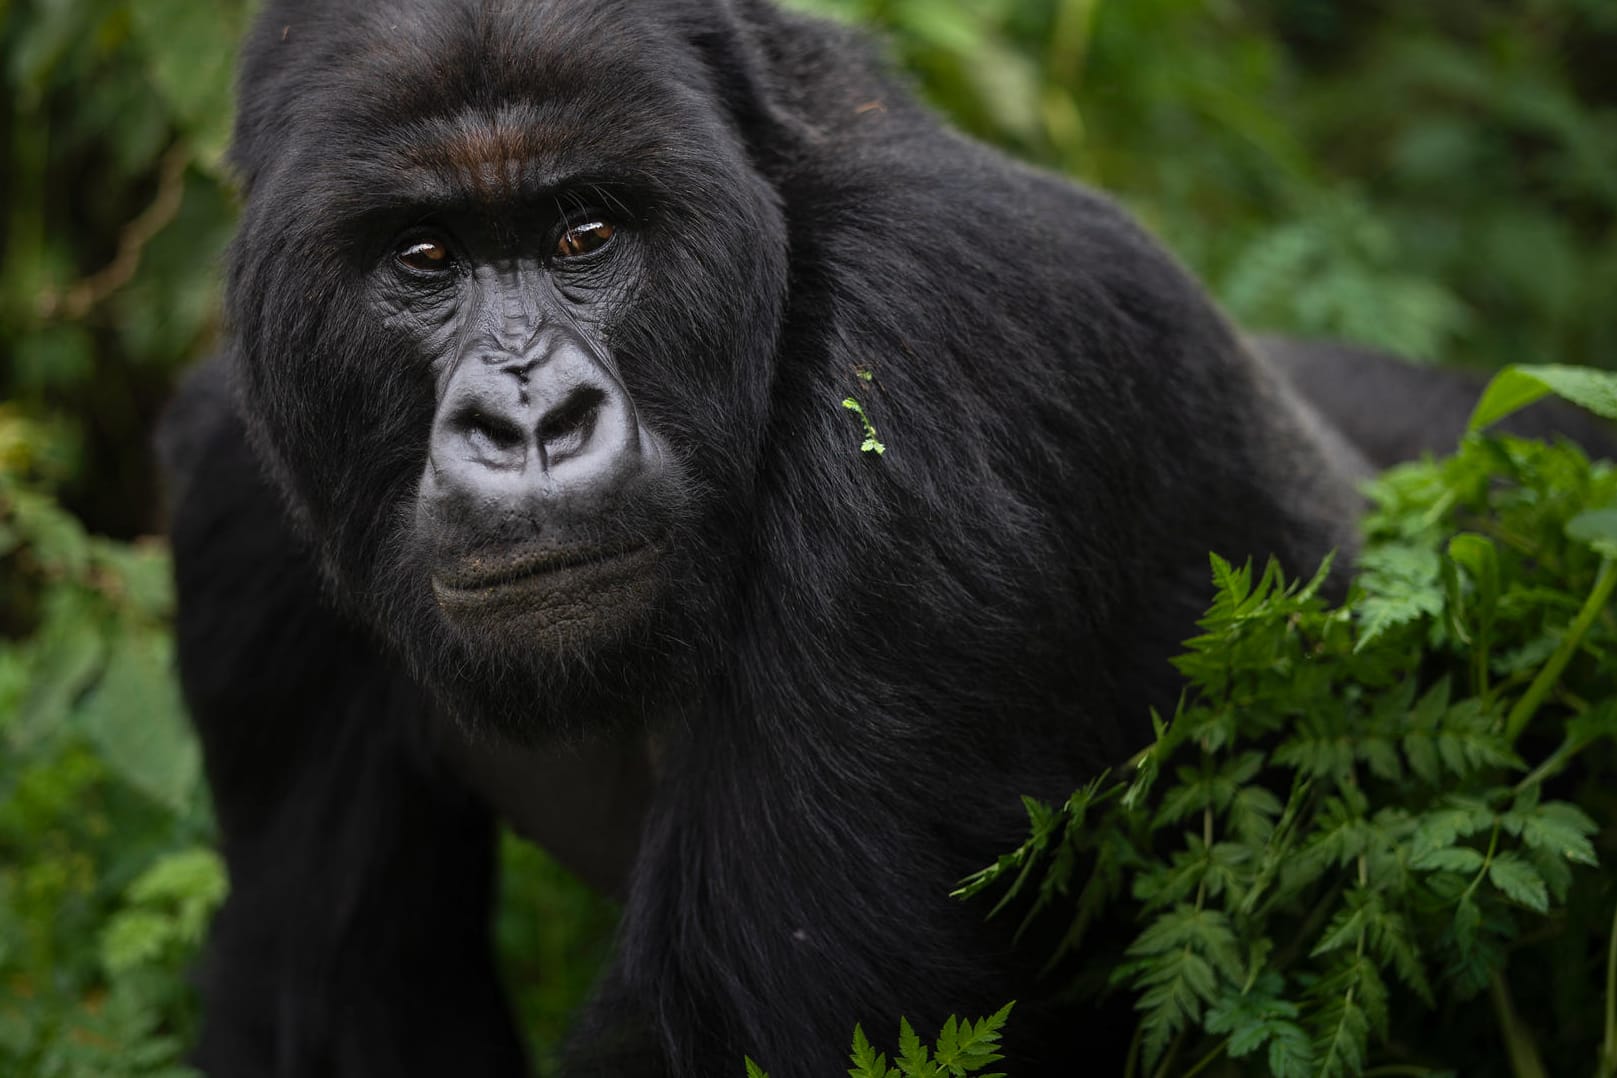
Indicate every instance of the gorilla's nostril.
{"type": "Point", "coordinates": [491, 437]}
{"type": "Point", "coordinates": [566, 429]}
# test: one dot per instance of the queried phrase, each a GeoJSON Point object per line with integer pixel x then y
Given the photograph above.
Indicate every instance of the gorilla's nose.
{"type": "Point", "coordinates": [558, 427]}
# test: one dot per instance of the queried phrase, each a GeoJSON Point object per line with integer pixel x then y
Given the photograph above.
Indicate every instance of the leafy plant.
{"type": "Point", "coordinates": [103, 829]}
{"type": "Point", "coordinates": [962, 1049]}
{"type": "Point", "coordinates": [1434, 177]}
{"type": "Point", "coordinates": [1364, 813]}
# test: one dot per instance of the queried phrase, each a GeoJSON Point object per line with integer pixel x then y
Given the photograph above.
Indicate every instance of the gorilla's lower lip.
{"type": "Point", "coordinates": [482, 576]}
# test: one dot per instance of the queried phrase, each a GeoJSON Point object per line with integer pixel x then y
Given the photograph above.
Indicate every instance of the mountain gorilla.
{"type": "Point", "coordinates": [525, 488]}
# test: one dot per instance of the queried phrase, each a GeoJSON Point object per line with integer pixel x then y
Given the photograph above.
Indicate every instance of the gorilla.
{"type": "Point", "coordinates": [523, 489]}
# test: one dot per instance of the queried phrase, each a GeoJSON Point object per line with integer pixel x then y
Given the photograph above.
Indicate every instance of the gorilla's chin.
{"type": "Point", "coordinates": [551, 599]}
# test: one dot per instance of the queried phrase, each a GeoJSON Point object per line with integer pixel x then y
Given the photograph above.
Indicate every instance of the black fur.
{"type": "Point", "coordinates": [856, 663]}
{"type": "Point", "coordinates": [1393, 412]}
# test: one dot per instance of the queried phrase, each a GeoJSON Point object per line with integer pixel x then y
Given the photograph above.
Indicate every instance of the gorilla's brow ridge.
{"type": "Point", "coordinates": [497, 162]}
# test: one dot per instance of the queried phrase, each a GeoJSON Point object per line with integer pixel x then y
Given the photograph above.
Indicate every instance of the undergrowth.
{"type": "Point", "coordinates": [1373, 837]}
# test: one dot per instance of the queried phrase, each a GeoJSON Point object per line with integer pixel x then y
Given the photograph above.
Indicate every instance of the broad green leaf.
{"type": "Point", "coordinates": [136, 719]}
{"type": "Point", "coordinates": [1597, 528]}
{"type": "Point", "coordinates": [1461, 859]}
{"type": "Point", "coordinates": [1563, 829]}
{"type": "Point", "coordinates": [1514, 388]}
{"type": "Point", "coordinates": [1520, 882]}
{"type": "Point", "coordinates": [70, 652]}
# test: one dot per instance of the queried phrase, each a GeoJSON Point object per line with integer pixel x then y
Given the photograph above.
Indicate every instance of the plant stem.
{"type": "Point", "coordinates": [1207, 1060]}
{"type": "Point", "coordinates": [1487, 860]}
{"type": "Point", "coordinates": [1599, 596]}
{"type": "Point", "coordinates": [1132, 1066]}
{"type": "Point", "coordinates": [1608, 1050]}
{"type": "Point", "coordinates": [1524, 1057]}
{"type": "Point", "coordinates": [1168, 1057]}
{"type": "Point", "coordinates": [1207, 847]}
{"type": "Point", "coordinates": [1479, 663]}
{"type": "Point", "coordinates": [1552, 764]}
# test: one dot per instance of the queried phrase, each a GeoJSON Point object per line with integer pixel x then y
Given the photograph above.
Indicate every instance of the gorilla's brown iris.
{"type": "Point", "coordinates": [583, 238]}
{"type": "Point", "coordinates": [424, 255]}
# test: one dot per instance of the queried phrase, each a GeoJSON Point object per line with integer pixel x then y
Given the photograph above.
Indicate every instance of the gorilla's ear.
{"type": "Point", "coordinates": [735, 39]}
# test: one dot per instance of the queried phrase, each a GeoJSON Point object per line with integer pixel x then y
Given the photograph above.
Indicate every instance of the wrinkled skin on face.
{"type": "Point", "coordinates": [545, 499]}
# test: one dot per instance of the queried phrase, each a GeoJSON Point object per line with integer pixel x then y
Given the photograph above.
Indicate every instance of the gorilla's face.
{"type": "Point", "coordinates": [546, 500]}
{"type": "Point", "coordinates": [505, 296]}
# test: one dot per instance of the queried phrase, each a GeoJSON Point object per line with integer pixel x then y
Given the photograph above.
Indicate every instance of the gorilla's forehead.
{"type": "Point", "coordinates": [497, 98]}
{"type": "Point", "coordinates": [519, 151]}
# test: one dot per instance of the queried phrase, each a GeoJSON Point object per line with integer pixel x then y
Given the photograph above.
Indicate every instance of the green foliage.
{"type": "Point", "coordinates": [1517, 387]}
{"type": "Point", "coordinates": [962, 1049]}
{"type": "Point", "coordinates": [116, 214]}
{"type": "Point", "coordinates": [1363, 814]}
{"type": "Point", "coordinates": [106, 878]}
{"type": "Point", "coordinates": [551, 934]}
{"type": "Point", "coordinates": [168, 908]}
{"type": "Point", "coordinates": [1438, 179]}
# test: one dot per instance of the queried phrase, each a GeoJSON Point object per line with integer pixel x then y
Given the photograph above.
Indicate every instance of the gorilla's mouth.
{"type": "Point", "coordinates": [560, 592]}
{"type": "Point", "coordinates": [483, 574]}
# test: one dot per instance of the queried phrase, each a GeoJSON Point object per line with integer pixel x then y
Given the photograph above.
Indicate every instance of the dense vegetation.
{"type": "Point", "coordinates": [1437, 178]}
{"type": "Point", "coordinates": [1368, 823]}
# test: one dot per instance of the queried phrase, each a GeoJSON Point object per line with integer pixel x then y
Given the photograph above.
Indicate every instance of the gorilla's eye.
{"type": "Point", "coordinates": [583, 238]}
{"type": "Point", "coordinates": [423, 254]}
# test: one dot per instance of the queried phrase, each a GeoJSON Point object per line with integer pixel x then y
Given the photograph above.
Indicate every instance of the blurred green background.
{"type": "Point", "coordinates": [1435, 178]}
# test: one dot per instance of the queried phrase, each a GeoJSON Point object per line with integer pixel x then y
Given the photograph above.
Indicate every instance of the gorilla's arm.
{"type": "Point", "coordinates": [354, 941]}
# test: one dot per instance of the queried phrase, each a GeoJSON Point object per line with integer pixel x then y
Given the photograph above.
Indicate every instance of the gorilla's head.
{"type": "Point", "coordinates": [504, 302]}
